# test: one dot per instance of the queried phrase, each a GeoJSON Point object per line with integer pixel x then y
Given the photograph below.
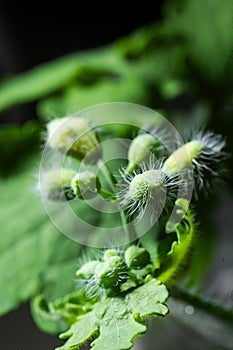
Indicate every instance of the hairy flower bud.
{"type": "Point", "coordinates": [182, 158]}
{"type": "Point", "coordinates": [75, 137]}
{"type": "Point", "coordinates": [140, 189]}
{"type": "Point", "coordinates": [85, 185]}
{"type": "Point", "coordinates": [56, 184]}
{"type": "Point", "coordinates": [87, 270]}
{"type": "Point", "coordinates": [140, 149]}
{"type": "Point", "coordinates": [136, 257]}
{"type": "Point", "coordinates": [107, 274]}
{"type": "Point", "coordinates": [142, 184]}
{"type": "Point", "coordinates": [204, 154]}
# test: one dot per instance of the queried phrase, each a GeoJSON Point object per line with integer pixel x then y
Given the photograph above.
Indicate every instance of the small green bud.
{"type": "Point", "coordinates": [74, 136]}
{"type": "Point", "coordinates": [56, 184]}
{"type": "Point", "coordinates": [145, 183]}
{"type": "Point", "coordinates": [112, 273]}
{"type": "Point", "coordinates": [182, 158]}
{"type": "Point", "coordinates": [85, 185]}
{"type": "Point", "coordinates": [136, 257]}
{"type": "Point", "coordinates": [109, 254]}
{"type": "Point", "coordinates": [140, 149]}
{"type": "Point", "coordinates": [88, 270]}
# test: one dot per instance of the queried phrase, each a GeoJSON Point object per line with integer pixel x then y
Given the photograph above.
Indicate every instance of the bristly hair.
{"type": "Point", "coordinates": [91, 286]}
{"type": "Point", "coordinates": [170, 140]}
{"type": "Point", "coordinates": [163, 200]}
{"type": "Point", "coordinates": [209, 167]}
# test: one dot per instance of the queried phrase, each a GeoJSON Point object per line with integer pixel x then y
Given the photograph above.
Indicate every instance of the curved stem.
{"type": "Point", "coordinates": [169, 275]}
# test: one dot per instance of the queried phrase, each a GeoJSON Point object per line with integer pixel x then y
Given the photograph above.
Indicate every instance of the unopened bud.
{"type": "Point", "coordinates": [182, 158]}
{"type": "Point", "coordinates": [112, 271]}
{"type": "Point", "coordinates": [85, 185]}
{"type": "Point", "coordinates": [75, 137]}
{"type": "Point", "coordinates": [56, 184]}
{"type": "Point", "coordinates": [140, 149]}
{"type": "Point", "coordinates": [87, 270]}
{"type": "Point", "coordinates": [145, 183]}
{"type": "Point", "coordinates": [136, 257]}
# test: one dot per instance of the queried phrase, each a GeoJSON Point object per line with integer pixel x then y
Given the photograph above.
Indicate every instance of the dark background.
{"type": "Point", "coordinates": [31, 34]}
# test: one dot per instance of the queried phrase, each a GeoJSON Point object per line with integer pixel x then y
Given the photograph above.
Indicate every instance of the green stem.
{"type": "Point", "coordinates": [107, 174]}
{"type": "Point", "coordinates": [107, 194]}
{"type": "Point", "coordinates": [211, 307]}
{"type": "Point", "coordinates": [128, 227]}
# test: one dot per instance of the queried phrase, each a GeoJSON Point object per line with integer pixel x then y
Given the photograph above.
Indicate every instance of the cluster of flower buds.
{"type": "Point", "coordinates": [116, 271]}
{"type": "Point", "coordinates": [159, 182]}
{"type": "Point", "coordinates": [200, 158]}
{"type": "Point", "coordinates": [74, 137]}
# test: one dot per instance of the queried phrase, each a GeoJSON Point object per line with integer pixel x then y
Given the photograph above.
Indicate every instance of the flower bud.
{"type": "Point", "coordinates": [87, 271]}
{"type": "Point", "coordinates": [56, 184]}
{"type": "Point", "coordinates": [112, 271]}
{"type": "Point", "coordinates": [140, 149]}
{"type": "Point", "coordinates": [145, 183]}
{"type": "Point", "coordinates": [85, 185]}
{"type": "Point", "coordinates": [136, 257]}
{"type": "Point", "coordinates": [74, 136]}
{"type": "Point", "coordinates": [183, 157]}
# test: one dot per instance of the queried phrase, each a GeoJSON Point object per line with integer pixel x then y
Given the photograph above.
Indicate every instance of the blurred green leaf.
{"type": "Point", "coordinates": [204, 30]}
{"type": "Point", "coordinates": [16, 143]}
{"type": "Point", "coordinates": [54, 76]}
{"type": "Point", "coordinates": [34, 255]}
{"type": "Point", "coordinates": [126, 88]}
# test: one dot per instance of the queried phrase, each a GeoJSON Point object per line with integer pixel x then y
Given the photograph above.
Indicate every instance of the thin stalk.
{"type": "Point", "coordinates": [128, 227]}
{"type": "Point", "coordinates": [107, 174]}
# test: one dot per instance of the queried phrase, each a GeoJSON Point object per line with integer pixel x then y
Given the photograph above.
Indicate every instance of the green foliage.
{"type": "Point", "coordinates": [16, 144]}
{"type": "Point", "coordinates": [33, 253]}
{"type": "Point", "coordinates": [117, 321]}
{"type": "Point", "coordinates": [153, 66]}
{"type": "Point", "coordinates": [204, 30]}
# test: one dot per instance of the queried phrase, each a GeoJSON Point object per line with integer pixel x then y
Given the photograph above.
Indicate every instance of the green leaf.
{"type": "Point", "coordinates": [56, 317]}
{"type": "Point", "coordinates": [34, 255]}
{"type": "Point", "coordinates": [53, 76]}
{"type": "Point", "coordinates": [127, 88]}
{"type": "Point", "coordinates": [16, 144]}
{"type": "Point", "coordinates": [117, 321]}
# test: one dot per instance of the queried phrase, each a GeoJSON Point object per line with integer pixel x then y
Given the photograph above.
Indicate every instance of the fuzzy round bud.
{"type": "Point", "coordinates": [136, 257]}
{"type": "Point", "coordinates": [56, 184]}
{"type": "Point", "coordinates": [145, 183]}
{"type": "Point", "coordinates": [85, 185]}
{"type": "Point", "coordinates": [112, 270]}
{"type": "Point", "coordinates": [140, 149]}
{"type": "Point", "coordinates": [87, 271]}
{"type": "Point", "coordinates": [74, 136]}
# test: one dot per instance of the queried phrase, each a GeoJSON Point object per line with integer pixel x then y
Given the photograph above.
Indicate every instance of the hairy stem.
{"type": "Point", "coordinates": [170, 275]}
